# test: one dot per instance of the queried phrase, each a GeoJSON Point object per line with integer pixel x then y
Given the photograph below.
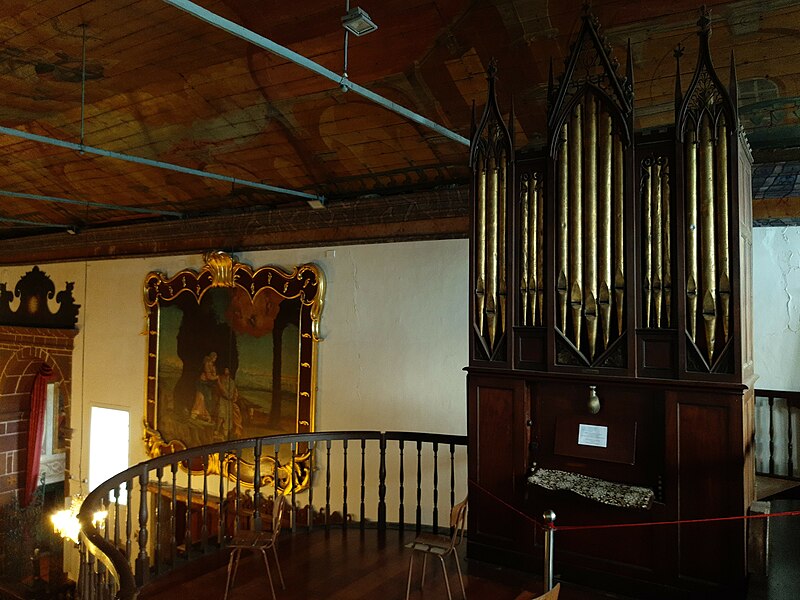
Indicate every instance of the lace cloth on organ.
{"type": "Point", "coordinates": [600, 490]}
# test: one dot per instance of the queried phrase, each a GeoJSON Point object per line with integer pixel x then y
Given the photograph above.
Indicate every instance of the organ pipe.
{"type": "Point", "coordinates": [619, 238]}
{"type": "Point", "coordinates": [492, 248]}
{"type": "Point", "coordinates": [563, 229]}
{"type": "Point", "coordinates": [480, 246]}
{"type": "Point", "coordinates": [691, 235]}
{"type": "Point", "coordinates": [575, 224]}
{"type": "Point", "coordinates": [502, 283]}
{"type": "Point", "coordinates": [647, 259]}
{"type": "Point", "coordinates": [722, 224]}
{"type": "Point", "coordinates": [604, 222]}
{"type": "Point", "coordinates": [666, 256]}
{"type": "Point", "coordinates": [590, 221]}
{"type": "Point", "coordinates": [657, 242]}
{"type": "Point", "coordinates": [525, 280]}
{"type": "Point", "coordinates": [707, 240]}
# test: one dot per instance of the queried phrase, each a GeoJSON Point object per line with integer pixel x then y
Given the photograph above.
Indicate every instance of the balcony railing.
{"type": "Point", "coordinates": [164, 512]}
{"type": "Point", "coordinates": [777, 419]}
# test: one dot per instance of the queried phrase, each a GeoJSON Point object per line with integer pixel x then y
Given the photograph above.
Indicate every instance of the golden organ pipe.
{"type": "Point", "coordinates": [647, 210]}
{"type": "Point", "coordinates": [666, 262]}
{"type": "Point", "coordinates": [491, 258]}
{"type": "Point", "coordinates": [525, 281]}
{"type": "Point", "coordinates": [539, 315]}
{"type": "Point", "coordinates": [619, 238]}
{"type": "Point", "coordinates": [722, 225]}
{"type": "Point", "coordinates": [691, 234]}
{"type": "Point", "coordinates": [590, 222]}
{"type": "Point", "coordinates": [534, 254]}
{"type": "Point", "coordinates": [708, 251]}
{"type": "Point", "coordinates": [480, 245]}
{"type": "Point", "coordinates": [501, 235]}
{"type": "Point", "coordinates": [563, 231]}
{"type": "Point", "coordinates": [657, 242]}
{"type": "Point", "coordinates": [604, 222]}
{"type": "Point", "coordinates": [575, 225]}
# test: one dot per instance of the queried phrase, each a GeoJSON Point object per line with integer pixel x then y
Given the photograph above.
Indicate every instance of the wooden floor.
{"type": "Point", "coordinates": [351, 566]}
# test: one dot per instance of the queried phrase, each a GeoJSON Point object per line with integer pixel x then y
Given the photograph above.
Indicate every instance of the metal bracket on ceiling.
{"type": "Point", "coordinates": [300, 60]}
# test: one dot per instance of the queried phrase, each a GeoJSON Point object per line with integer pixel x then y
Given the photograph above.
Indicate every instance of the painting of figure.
{"type": "Point", "coordinates": [228, 366]}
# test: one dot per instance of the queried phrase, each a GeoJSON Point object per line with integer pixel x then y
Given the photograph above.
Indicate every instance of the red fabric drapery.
{"type": "Point", "coordinates": [36, 431]}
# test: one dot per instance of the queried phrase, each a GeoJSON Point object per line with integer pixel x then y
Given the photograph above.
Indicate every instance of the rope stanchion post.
{"type": "Point", "coordinates": [549, 540]}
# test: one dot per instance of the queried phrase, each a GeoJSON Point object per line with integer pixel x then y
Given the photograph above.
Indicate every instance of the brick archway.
{"type": "Point", "coordinates": [22, 352]}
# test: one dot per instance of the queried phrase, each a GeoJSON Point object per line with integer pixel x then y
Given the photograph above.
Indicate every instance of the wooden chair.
{"type": "Point", "coordinates": [258, 541]}
{"type": "Point", "coordinates": [551, 595]}
{"type": "Point", "coordinates": [440, 546]}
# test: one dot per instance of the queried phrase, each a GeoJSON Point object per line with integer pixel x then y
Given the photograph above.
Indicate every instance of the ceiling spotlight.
{"type": "Point", "coordinates": [357, 22]}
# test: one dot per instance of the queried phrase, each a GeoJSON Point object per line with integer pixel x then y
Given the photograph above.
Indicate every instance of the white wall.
{"type": "Point", "coordinates": [776, 311]}
{"type": "Point", "coordinates": [394, 326]}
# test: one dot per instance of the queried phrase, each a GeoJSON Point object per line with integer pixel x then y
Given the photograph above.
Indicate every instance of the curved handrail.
{"type": "Point", "coordinates": [117, 564]}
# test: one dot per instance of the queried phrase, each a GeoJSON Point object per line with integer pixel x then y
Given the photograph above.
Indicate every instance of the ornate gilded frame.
{"type": "Point", "coordinates": [306, 285]}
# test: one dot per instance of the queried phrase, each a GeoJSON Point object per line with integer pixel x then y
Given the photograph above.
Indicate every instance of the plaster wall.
{"type": "Point", "coordinates": [394, 327]}
{"type": "Point", "coordinates": [776, 311]}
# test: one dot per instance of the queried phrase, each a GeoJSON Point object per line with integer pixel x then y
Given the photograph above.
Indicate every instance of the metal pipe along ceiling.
{"type": "Point", "coordinates": [300, 60]}
{"type": "Point", "coordinates": [312, 198]}
{"type": "Point", "coordinates": [134, 209]}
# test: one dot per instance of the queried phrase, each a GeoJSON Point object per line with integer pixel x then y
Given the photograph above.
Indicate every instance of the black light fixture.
{"type": "Point", "coordinates": [357, 22]}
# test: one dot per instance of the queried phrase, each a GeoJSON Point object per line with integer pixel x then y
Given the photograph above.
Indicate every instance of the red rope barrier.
{"type": "Point", "coordinates": [543, 526]}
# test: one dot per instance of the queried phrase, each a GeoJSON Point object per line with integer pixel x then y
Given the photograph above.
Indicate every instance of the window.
{"type": "Point", "coordinates": [109, 435]}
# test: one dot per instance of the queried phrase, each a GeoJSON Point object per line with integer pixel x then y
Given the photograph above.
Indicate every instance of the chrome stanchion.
{"type": "Point", "coordinates": [549, 540]}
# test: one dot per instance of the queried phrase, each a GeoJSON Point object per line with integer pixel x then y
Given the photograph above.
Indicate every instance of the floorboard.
{"type": "Point", "coordinates": [351, 565]}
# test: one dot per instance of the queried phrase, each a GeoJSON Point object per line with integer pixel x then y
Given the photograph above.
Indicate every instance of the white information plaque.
{"type": "Point", "coordinates": [592, 435]}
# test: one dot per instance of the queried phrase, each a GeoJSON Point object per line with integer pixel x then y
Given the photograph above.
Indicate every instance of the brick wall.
{"type": "Point", "coordinates": [22, 352]}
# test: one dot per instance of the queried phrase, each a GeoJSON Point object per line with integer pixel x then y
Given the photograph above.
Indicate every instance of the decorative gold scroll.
{"type": "Point", "coordinates": [562, 251]}
{"type": "Point", "coordinates": [604, 223]}
{"type": "Point", "coordinates": [480, 246]}
{"type": "Point", "coordinates": [691, 234]}
{"type": "Point", "coordinates": [707, 240]}
{"type": "Point", "coordinates": [590, 221]}
{"type": "Point", "coordinates": [575, 222]}
{"type": "Point", "coordinates": [723, 250]}
{"type": "Point", "coordinates": [492, 249]}
{"type": "Point", "coordinates": [666, 255]}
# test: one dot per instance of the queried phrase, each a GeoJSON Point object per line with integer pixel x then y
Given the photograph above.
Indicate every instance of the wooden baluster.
{"type": "Point", "coordinates": [187, 539]}
{"type": "Point", "coordinates": [790, 466]}
{"type": "Point", "coordinates": [173, 518]}
{"type": "Point", "coordinates": [222, 500]}
{"type": "Point", "coordinates": [401, 515]}
{"type": "Point", "coordinates": [143, 561]}
{"type": "Point", "coordinates": [129, 522]}
{"type": "Point", "coordinates": [327, 482]}
{"type": "Point", "coordinates": [238, 495]}
{"type": "Point", "coordinates": [204, 509]}
{"type": "Point", "coordinates": [275, 480]}
{"type": "Point", "coordinates": [116, 517]}
{"type": "Point", "coordinates": [771, 440]}
{"type": "Point", "coordinates": [344, 486]}
{"type": "Point", "coordinates": [452, 477]}
{"type": "Point", "coordinates": [363, 488]}
{"type": "Point", "coordinates": [157, 552]}
{"type": "Point", "coordinates": [382, 485]}
{"type": "Point", "coordinates": [435, 487]}
{"type": "Point", "coordinates": [293, 483]}
{"type": "Point", "coordinates": [310, 511]}
{"type": "Point", "coordinates": [257, 487]}
{"type": "Point", "coordinates": [419, 487]}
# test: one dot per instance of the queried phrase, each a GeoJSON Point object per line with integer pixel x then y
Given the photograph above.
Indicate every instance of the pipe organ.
{"type": "Point", "coordinates": [610, 282]}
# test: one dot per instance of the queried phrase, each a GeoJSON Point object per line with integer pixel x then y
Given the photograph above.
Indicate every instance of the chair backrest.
{"type": "Point", "coordinates": [458, 521]}
{"type": "Point", "coordinates": [277, 514]}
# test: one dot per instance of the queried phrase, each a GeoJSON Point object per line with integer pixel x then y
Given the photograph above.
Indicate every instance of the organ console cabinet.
{"type": "Point", "coordinates": [611, 330]}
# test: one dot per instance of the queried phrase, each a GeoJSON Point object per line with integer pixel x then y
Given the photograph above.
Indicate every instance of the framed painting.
{"type": "Point", "coordinates": [231, 355]}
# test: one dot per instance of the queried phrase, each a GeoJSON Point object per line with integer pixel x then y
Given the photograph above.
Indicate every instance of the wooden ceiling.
{"type": "Point", "coordinates": [162, 85]}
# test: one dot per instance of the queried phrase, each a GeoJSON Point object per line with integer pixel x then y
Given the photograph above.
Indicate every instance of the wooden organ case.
{"type": "Point", "coordinates": [614, 266]}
